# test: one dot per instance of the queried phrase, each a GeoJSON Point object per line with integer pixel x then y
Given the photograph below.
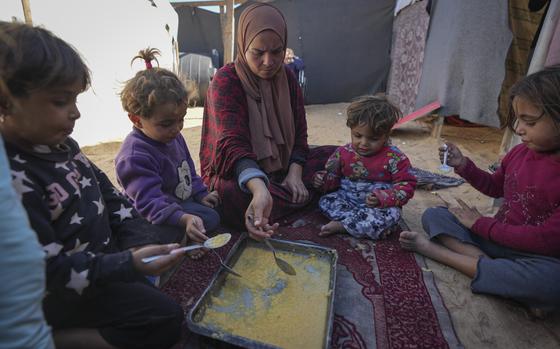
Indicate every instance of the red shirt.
{"type": "Point", "coordinates": [529, 219]}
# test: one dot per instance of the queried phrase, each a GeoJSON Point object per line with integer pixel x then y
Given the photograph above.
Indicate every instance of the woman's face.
{"type": "Point", "coordinates": [265, 54]}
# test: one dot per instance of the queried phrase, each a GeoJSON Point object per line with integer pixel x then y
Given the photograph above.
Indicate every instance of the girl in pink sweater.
{"type": "Point", "coordinates": [516, 253]}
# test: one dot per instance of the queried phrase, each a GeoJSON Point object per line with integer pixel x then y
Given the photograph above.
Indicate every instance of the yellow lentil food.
{"type": "Point", "coordinates": [269, 306]}
{"type": "Point", "coordinates": [219, 240]}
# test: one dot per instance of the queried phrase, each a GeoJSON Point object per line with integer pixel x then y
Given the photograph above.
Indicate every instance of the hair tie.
{"type": "Point", "coordinates": [148, 64]}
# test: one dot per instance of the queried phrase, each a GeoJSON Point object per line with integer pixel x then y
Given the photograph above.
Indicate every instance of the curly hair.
{"type": "Point", "coordinates": [152, 87]}
{"type": "Point", "coordinates": [542, 89]}
{"type": "Point", "coordinates": [375, 111]}
{"type": "Point", "coordinates": [33, 58]}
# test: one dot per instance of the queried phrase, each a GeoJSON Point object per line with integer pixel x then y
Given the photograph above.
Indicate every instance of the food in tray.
{"type": "Point", "coordinates": [271, 307]}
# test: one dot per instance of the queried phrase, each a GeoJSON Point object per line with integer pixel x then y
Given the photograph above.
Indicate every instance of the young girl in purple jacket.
{"type": "Point", "coordinates": [154, 165]}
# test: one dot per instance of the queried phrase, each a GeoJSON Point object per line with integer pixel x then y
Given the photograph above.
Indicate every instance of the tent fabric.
{"type": "Point", "coordinates": [410, 29]}
{"type": "Point", "coordinates": [524, 25]}
{"type": "Point", "coordinates": [464, 58]}
{"type": "Point", "coordinates": [345, 44]}
{"type": "Point", "coordinates": [546, 35]}
{"type": "Point", "coordinates": [199, 31]}
{"type": "Point", "coordinates": [553, 56]}
{"type": "Point", "coordinates": [402, 4]}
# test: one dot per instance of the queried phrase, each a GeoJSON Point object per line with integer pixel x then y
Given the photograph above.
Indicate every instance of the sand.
{"type": "Point", "coordinates": [480, 321]}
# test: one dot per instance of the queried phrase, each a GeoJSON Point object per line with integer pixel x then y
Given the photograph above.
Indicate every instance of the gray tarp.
{"type": "Point", "coordinates": [464, 58]}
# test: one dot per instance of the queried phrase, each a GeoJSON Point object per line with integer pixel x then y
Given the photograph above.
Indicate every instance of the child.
{"type": "Point", "coordinates": [372, 178]}
{"type": "Point", "coordinates": [516, 253]}
{"type": "Point", "coordinates": [97, 295]}
{"type": "Point", "coordinates": [154, 165]}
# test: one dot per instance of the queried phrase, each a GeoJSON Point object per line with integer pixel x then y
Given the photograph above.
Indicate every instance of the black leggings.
{"type": "Point", "coordinates": [127, 315]}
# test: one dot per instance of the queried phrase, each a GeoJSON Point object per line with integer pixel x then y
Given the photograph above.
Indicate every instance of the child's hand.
{"type": "Point", "coordinates": [158, 266]}
{"type": "Point", "coordinates": [211, 200]}
{"type": "Point", "coordinates": [372, 200]}
{"type": "Point", "coordinates": [319, 179]}
{"type": "Point", "coordinates": [194, 228]}
{"type": "Point", "coordinates": [465, 214]}
{"type": "Point", "coordinates": [454, 156]}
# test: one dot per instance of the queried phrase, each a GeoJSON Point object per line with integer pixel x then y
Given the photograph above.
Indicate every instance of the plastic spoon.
{"type": "Point", "coordinates": [444, 167]}
{"type": "Point", "coordinates": [215, 242]}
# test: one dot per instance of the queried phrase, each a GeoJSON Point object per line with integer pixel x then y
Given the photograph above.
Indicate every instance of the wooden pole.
{"type": "Point", "coordinates": [27, 11]}
{"type": "Point", "coordinates": [228, 31]}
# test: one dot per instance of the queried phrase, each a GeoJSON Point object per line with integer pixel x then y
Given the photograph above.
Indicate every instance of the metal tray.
{"type": "Point", "coordinates": [197, 313]}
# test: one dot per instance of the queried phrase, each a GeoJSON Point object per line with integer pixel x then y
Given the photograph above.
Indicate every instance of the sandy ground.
{"type": "Point", "coordinates": [480, 321]}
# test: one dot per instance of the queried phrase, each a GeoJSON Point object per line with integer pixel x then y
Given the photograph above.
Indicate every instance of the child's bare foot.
{"type": "Point", "coordinates": [416, 242]}
{"type": "Point", "coordinates": [333, 227]}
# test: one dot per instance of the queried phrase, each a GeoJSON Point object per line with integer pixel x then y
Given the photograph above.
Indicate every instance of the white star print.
{"type": "Point", "coordinates": [56, 212]}
{"type": "Point", "coordinates": [20, 175]}
{"type": "Point", "coordinates": [17, 182]}
{"type": "Point", "coordinates": [85, 182]}
{"type": "Point", "coordinates": [62, 165]}
{"type": "Point", "coordinates": [106, 242]}
{"type": "Point", "coordinates": [78, 192]}
{"type": "Point", "coordinates": [78, 281]}
{"type": "Point", "coordinates": [78, 247]}
{"type": "Point", "coordinates": [100, 206]}
{"type": "Point", "coordinates": [18, 158]}
{"type": "Point", "coordinates": [76, 219]}
{"type": "Point", "coordinates": [124, 212]}
{"type": "Point", "coordinates": [52, 249]}
{"type": "Point", "coordinates": [116, 191]}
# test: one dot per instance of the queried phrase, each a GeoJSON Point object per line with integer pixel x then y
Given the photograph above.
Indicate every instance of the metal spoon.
{"type": "Point", "coordinates": [227, 267]}
{"type": "Point", "coordinates": [215, 242]}
{"type": "Point", "coordinates": [282, 264]}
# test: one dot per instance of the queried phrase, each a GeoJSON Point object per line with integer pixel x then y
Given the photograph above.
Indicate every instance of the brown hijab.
{"type": "Point", "coordinates": [271, 120]}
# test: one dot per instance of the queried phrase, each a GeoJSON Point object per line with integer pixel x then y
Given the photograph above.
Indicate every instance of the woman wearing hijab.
{"type": "Point", "coordinates": [254, 148]}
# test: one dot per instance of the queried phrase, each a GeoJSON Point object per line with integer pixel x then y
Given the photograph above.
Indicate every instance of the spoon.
{"type": "Point", "coordinates": [227, 267]}
{"type": "Point", "coordinates": [282, 264]}
{"type": "Point", "coordinates": [444, 166]}
{"type": "Point", "coordinates": [215, 242]}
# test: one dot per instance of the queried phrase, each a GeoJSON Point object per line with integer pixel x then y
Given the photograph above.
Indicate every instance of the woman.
{"type": "Point", "coordinates": [254, 148]}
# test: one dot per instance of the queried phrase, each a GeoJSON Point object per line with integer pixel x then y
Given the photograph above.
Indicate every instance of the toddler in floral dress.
{"type": "Point", "coordinates": [368, 179]}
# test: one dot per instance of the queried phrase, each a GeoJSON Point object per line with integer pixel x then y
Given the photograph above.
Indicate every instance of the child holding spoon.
{"type": "Point", "coordinates": [516, 253]}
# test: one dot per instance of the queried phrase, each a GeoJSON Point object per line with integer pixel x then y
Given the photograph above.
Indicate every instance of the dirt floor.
{"type": "Point", "coordinates": [480, 321]}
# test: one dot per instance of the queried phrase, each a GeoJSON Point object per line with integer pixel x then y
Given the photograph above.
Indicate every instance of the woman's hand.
{"type": "Point", "coordinates": [194, 227]}
{"type": "Point", "coordinates": [158, 266]}
{"type": "Point", "coordinates": [465, 214]}
{"type": "Point", "coordinates": [454, 156]}
{"type": "Point", "coordinates": [319, 179]}
{"type": "Point", "coordinates": [258, 211]}
{"type": "Point", "coordinates": [295, 185]}
{"type": "Point", "coordinates": [211, 200]}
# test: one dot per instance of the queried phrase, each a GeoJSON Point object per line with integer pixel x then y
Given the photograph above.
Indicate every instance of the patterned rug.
{"type": "Point", "coordinates": [385, 296]}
